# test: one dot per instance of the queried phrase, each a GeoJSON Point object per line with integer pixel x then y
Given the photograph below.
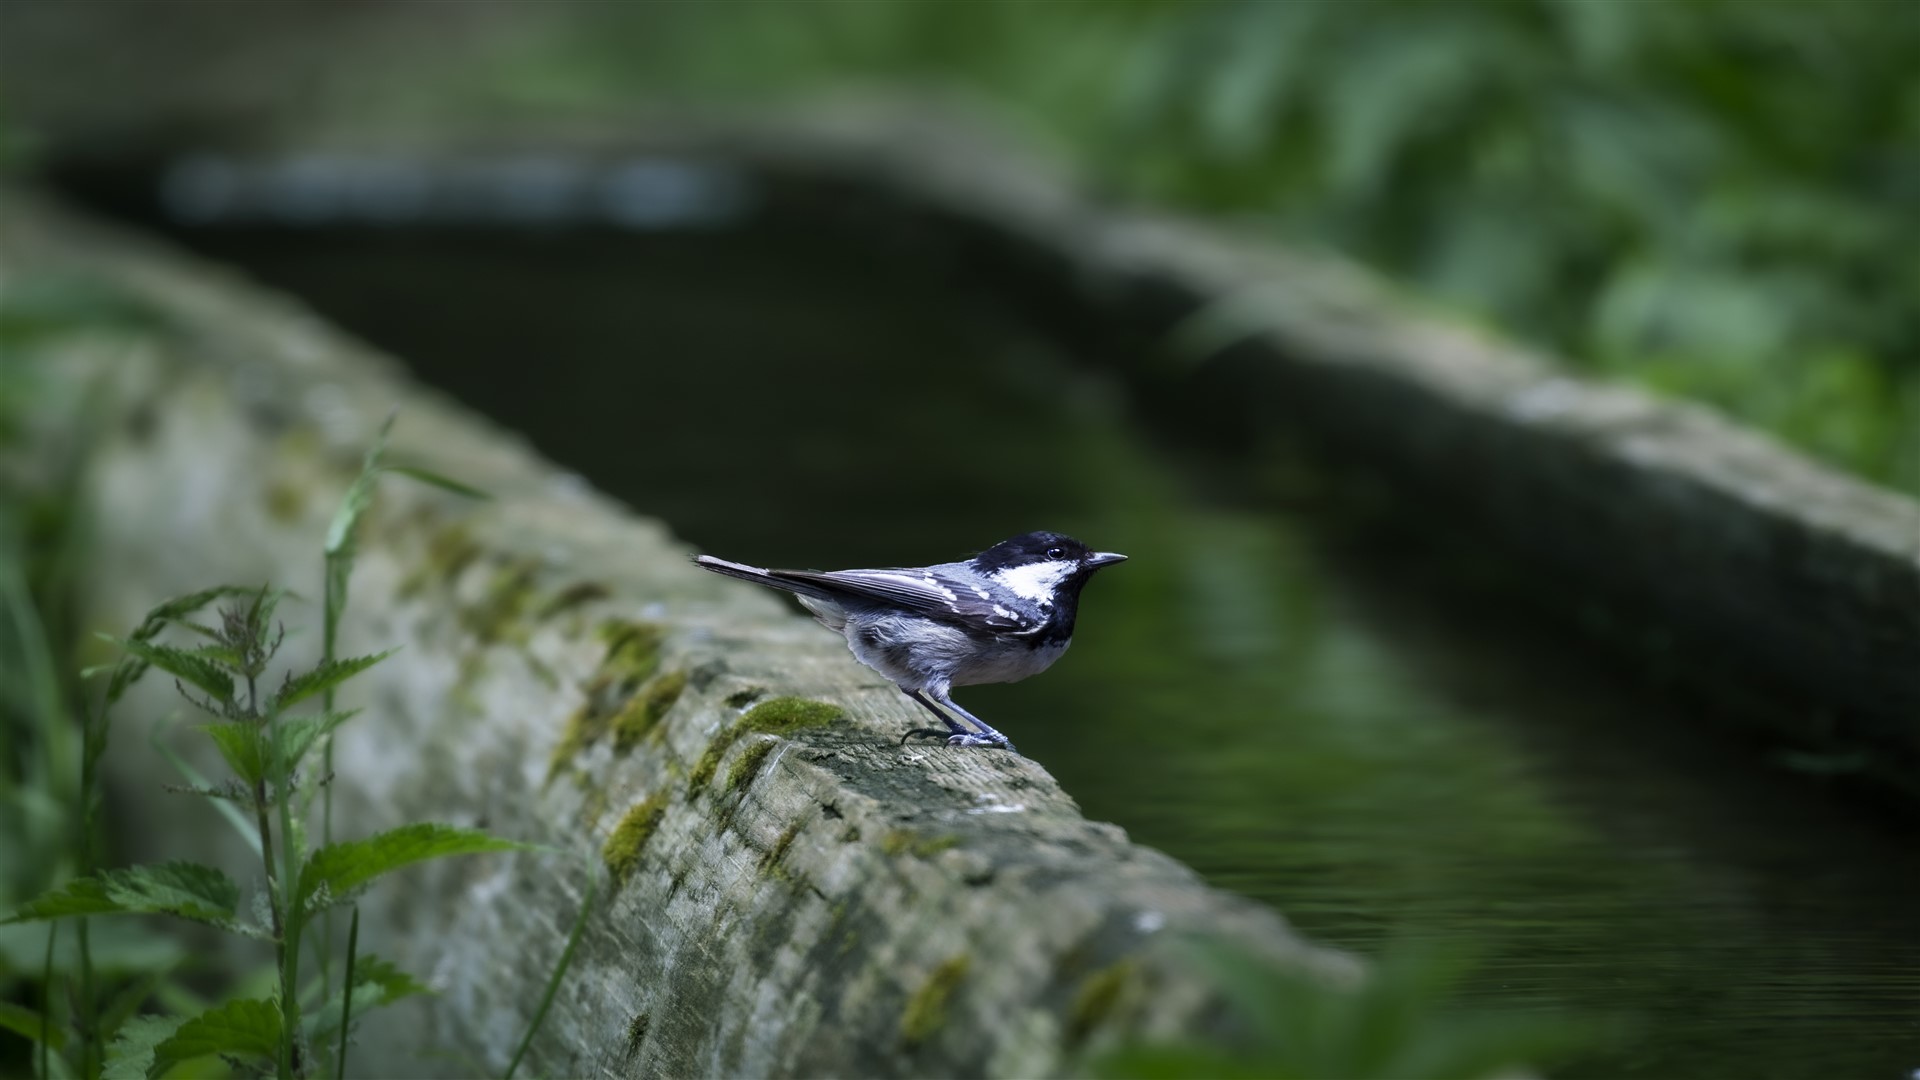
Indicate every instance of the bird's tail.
{"type": "Point", "coordinates": [814, 598]}
{"type": "Point", "coordinates": [760, 576]}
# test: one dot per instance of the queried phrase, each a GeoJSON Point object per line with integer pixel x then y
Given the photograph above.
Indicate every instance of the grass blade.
{"type": "Point", "coordinates": [346, 1003]}
{"type": "Point", "coordinates": [559, 972]}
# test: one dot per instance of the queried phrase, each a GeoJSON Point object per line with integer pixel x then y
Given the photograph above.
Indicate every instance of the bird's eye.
{"type": "Point", "coordinates": [1056, 553]}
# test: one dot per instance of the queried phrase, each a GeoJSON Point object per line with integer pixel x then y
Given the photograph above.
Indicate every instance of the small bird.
{"type": "Point", "coordinates": [1000, 616]}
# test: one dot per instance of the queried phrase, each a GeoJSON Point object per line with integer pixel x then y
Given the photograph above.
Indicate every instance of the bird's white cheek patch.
{"type": "Point", "coordinates": [1035, 581]}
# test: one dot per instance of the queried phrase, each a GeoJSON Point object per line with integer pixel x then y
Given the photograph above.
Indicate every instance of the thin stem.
{"type": "Point", "coordinates": [46, 1006]}
{"type": "Point", "coordinates": [277, 890]}
{"type": "Point", "coordinates": [346, 1000]}
{"type": "Point", "coordinates": [89, 1036]}
{"type": "Point", "coordinates": [92, 739]}
{"type": "Point", "coordinates": [289, 895]}
{"type": "Point", "coordinates": [329, 631]}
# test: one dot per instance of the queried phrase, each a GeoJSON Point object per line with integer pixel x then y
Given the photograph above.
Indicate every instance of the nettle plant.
{"type": "Point", "coordinates": [276, 741]}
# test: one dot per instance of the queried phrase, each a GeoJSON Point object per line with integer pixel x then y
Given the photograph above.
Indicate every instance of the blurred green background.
{"type": "Point", "coordinates": [1713, 198]}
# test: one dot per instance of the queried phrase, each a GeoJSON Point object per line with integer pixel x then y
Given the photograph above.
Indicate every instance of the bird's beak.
{"type": "Point", "coordinates": [1104, 558]}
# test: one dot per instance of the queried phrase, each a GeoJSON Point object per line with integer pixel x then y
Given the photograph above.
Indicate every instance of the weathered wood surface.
{"type": "Point", "coordinates": [812, 902]}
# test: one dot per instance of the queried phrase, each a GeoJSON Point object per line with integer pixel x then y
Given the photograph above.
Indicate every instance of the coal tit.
{"type": "Point", "coordinates": [1000, 616]}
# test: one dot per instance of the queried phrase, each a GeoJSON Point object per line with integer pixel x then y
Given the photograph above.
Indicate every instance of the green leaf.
{"type": "Point", "coordinates": [341, 529]}
{"type": "Point", "coordinates": [340, 869]}
{"type": "Point", "coordinates": [328, 674]}
{"type": "Point", "coordinates": [298, 734]}
{"type": "Point", "coordinates": [181, 606]}
{"type": "Point", "coordinates": [184, 665]}
{"type": "Point", "coordinates": [81, 896]}
{"type": "Point", "coordinates": [130, 1055]}
{"type": "Point", "coordinates": [246, 830]}
{"type": "Point", "coordinates": [243, 1028]}
{"type": "Point", "coordinates": [376, 982]}
{"type": "Point", "coordinates": [185, 889]}
{"type": "Point", "coordinates": [128, 671]}
{"type": "Point", "coordinates": [24, 1021]}
{"type": "Point", "coordinates": [241, 745]}
{"type": "Point", "coordinates": [437, 480]}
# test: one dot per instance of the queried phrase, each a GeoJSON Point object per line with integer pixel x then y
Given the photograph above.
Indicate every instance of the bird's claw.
{"type": "Point", "coordinates": [995, 741]}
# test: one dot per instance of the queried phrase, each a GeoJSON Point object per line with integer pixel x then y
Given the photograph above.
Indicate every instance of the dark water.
{"type": "Point", "coordinates": [1316, 706]}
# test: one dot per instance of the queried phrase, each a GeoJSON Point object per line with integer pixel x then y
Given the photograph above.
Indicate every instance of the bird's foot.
{"type": "Point", "coordinates": [994, 741]}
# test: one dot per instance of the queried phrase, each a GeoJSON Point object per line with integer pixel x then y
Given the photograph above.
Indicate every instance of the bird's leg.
{"type": "Point", "coordinates": [954, 729]}
{"type": "Point", "coordinates": [943, 706]}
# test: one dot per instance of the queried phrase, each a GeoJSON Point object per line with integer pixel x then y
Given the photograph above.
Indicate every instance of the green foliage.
{"type": "Point", "coordinates": [204, 669]}
{"type": "Point", "coordinates": [243, 1028]}
{"type": "Point", "coordinates": [374, 982]}
{"type": "Point", "coordinates": [189, 890]}
{"type": "Point", "coordinates": [32, 1025]}
{"type": "Point", "coordinates": [220, 668]}
{"type": "Point", "coordinates": [132, 1053]}
{"type": "Point", "coordinates": [335, 872]}
{"type": "Point", "coordinates": [1713, 197]}
{"type": "Point", "coordinates": [1395, 1024]}
{"type": "Point", "coordinates": [324, 677]}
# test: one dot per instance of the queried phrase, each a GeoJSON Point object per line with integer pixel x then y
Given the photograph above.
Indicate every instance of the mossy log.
{"type": "Point", "coordinates": [789, 892]}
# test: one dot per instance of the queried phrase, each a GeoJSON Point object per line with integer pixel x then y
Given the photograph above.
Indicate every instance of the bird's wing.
{"type": "Point", "coordinates": [925, 592]}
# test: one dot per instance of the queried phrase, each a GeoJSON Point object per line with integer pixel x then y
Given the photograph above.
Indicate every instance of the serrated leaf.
{"type": "Point", "coordinates": [128, 671]}
{"type": "Point", "coordinates": [130, 1054]}
{"type": "Point", "coordinates": [81, 896]}
{"type": "Point", "coordinates": [376, 982]}
{"type": "Point", "coordinates": [243, 1028]}
{"type": "Point", "coordinates": [241, 746]}
{"type": "Point", "coordinates": [181, 664]}
{"type": "Point", "coordinates": [345, 867]}
{"type": "Point", "coordinates": [181, 606]}
{"type": "Point", "coordinates": [297, 735]}
{"type": "Point", "coordinates": [29, 1023]}
{"type": "Point", "coordinates": [185, 889]}
{"type": "Point", "coordinates": [327, 675]}
{"type": "Point", "coordinates": [435, 479]}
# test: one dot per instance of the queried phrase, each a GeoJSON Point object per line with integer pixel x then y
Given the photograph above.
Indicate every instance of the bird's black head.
{"type": "Point", "coordinates": [1033, 547]}
{"type": "Point", "coordinates": [1074, 560]}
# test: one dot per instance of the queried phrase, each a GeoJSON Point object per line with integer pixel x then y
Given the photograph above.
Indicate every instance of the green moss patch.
{"type": "Point", "coordinates": [623, 849]}
{"type": "Point", "coordinates": [449, 552]}
{"type": "Point", "coordinates": [782, 716]}
{"type": "Point", "coordinates": [900, 842]}
{"type": "Point", "coordinates": [709, 762]}
{"type": "Point", "coordinates": [926, 1011]}
{"type": "Point", "coordinates": [633, 650]}
{"type": "Point", "coordinates": [499, 613]}
{"type": "Point", "coordinates": [574, 595]}
{"type": "Point", "coordinates": [614, 701]}
{"type": "Point", "coordinates": [641, 715]}
{"type": "Point", "coordinates": [771, 860]}
{"type": "Point", "coordinates": [1099, 995]}
{"type": "Point", "coordinates": [637, 1033]}
{"type": "Point", "coordinates": [787, 715]}
{"type": "Point", "coordinates": [747, 765]}
{"type": "Point", "coordinates": [285, 502]}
